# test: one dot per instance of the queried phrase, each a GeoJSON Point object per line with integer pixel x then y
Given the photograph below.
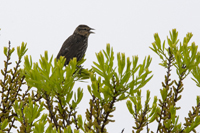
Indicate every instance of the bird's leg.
{"type": "Point", "coordinates": [80, 67]}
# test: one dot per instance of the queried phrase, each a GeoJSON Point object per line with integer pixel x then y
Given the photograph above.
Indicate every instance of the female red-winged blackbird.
{"type": "Point", "coordinates": [76, 44]}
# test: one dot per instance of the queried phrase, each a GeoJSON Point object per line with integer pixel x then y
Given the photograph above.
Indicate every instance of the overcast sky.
{"type": "Point", "coordinates": [128, 26]}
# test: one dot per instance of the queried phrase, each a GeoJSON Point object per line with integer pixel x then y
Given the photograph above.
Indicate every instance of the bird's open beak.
{"type": "Point", "coordinates": [91, 32]}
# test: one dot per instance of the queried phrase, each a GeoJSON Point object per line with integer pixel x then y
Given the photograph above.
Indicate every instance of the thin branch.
{"type": "Point", "coordinates": [166, 85]}
{"type": "Point", "coordinates": [62, 114]}
{"type": "Point", "coordinates": [76, 122]}
{"type": "Point", "coordinates": [12, 124]}
{"type": "Point", "coordinates": [178, 86]}
{"type": "Point", "coordinates": [5, 73]}
{"type": "Point", "coordinates": [108, 113]}
{"type": "Point", "coordinates": [51, 111]}
{"type": "Point", "coordinates": [24, 120]}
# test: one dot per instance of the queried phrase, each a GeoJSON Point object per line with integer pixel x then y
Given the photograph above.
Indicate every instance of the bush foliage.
{"type": "Point", "coordinates": [49, 86]}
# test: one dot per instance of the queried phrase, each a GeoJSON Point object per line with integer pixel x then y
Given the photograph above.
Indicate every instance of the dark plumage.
{"type": "Point", "coordinates": [76, 44]}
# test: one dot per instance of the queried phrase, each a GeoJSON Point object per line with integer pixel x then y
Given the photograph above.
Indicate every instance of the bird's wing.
{"type": "Point", "coordinates": [68, 49]}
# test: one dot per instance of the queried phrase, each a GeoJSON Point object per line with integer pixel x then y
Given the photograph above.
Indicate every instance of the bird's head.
{"type": "Point", "coordinates": [83, 30]}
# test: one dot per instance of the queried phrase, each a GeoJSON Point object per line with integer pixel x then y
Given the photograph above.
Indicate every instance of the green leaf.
{"type": "Point", "coordinates": [130, 107]}
{"type": "Point", "coordinates": [108, 49]}
{"type": "Point", "coordinates": [157, 40]}
{"type": "Point", "coordinates": [173, 113]}
{"type": "Point", "coordinates": [5, 51]}
{"type": "Point", "coordinates": [80, 121]}
{"type": "Point", "coordinates": [12, 50]}
{"type": "Point", "coordinates": [122, 97]}
{"type": "Point", "coordinates": [163, 93]}
{"type": "Point", "coordinates": [198, 100]}
{"type": "Point", "coordinates": [79, 95]}
{"type": "Point", "coordinates": [98, 71]}
{"type": "Point", "coordinates": [4, 124]}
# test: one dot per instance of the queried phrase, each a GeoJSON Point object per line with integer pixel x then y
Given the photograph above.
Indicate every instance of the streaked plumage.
{"type": "Point", "coordinates": [76, 44]}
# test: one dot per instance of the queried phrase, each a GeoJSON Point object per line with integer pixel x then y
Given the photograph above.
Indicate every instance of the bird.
{"type": "Point", "coordinates": [76, 44]}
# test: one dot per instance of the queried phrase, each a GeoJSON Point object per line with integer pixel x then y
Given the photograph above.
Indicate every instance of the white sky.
{"type": "Point", "coordinates": [128, 26]}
